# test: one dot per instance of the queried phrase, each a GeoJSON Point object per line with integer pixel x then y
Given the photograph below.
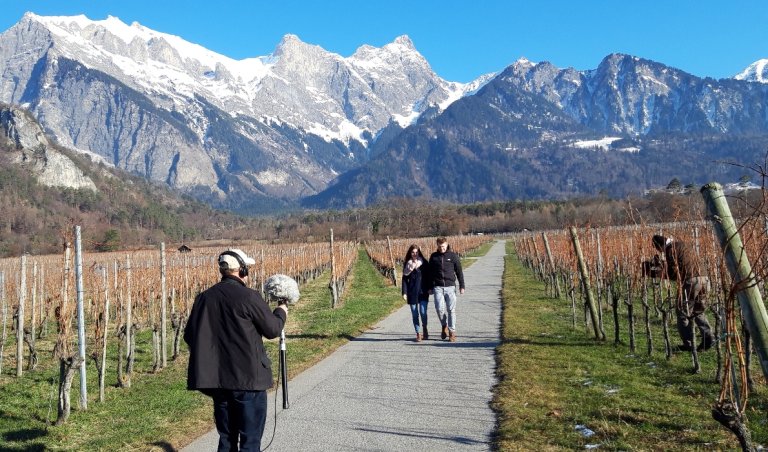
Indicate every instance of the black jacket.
{"type": "Point", "coordinates": [445, 268]}
{"type": "Point", "coordinates": [416, 284]}
{"type": "Point", "coordinates": [224, 333]}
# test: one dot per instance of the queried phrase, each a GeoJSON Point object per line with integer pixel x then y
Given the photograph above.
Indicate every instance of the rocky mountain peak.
{"type": "Point", "coordinates": [291, 45]}
{"type": "Point", "coordinates": [403, 41]}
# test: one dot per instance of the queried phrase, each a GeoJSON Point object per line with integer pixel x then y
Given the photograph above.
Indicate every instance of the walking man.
{"type": "Point", "coordinates": [445, 269]}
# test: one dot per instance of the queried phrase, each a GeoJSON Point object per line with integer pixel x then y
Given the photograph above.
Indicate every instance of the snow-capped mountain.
{"type": "Point", "coordinates": [281, 125]}
{"type": "Point", "coordinates": [633, 96]}
{"type": "Point", "coordinates": [538, 131]}
{"type": "Point", "coordinates": [755, 72]}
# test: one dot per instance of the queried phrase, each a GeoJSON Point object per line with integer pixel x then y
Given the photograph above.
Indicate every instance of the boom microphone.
{"type": "Point", "coordinates": [282, 288]}
{"type": "Point", "coordinates": [285, 290]}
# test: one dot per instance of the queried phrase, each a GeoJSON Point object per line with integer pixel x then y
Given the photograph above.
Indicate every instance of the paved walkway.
{"type": "Point", "coordinates": [385, 392]}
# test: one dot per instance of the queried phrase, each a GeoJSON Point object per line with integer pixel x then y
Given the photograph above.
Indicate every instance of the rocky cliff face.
{"type": "Point", "coordinates": [28, 146]}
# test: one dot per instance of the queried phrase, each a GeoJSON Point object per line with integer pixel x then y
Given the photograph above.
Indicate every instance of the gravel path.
{"type": "Point", "coordinates": [385, 392]}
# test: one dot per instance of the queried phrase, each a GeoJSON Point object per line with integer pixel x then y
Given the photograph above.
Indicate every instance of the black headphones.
{"type": "Point", "coordinates": [243, 272]}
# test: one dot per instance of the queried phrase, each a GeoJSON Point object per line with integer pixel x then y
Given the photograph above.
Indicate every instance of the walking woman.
{"type": "Point", "coordinates": [415, 285]}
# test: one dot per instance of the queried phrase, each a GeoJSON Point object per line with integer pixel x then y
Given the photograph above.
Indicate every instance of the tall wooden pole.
{"type": "Point", "coordinates": [551, 265]}
{"type": "Point", "coordinates": [163, 309]}
{"type": "Point", "coordinates": [263, 273]}
{"type": "Point", "coordinates": [33, 307]}
{"type": "Point", "coordinates": [128, 323]}
{"type": "Point", "coordinates": [751, 302]}
{"type": "Point", "coordinates": [332, 285]}
{"type": "Point", "coordinates": [80, 317]}
{"type": "Point", "coordinates": [103, 372]}
{"type": "Point", "coordinates": [587, 287]}
{"type": "Point", "coordinates": [20, 318]}
{"type": "Point", "coordinates": [392, 261]}
{"type": "Point", "coordinates": [4, 334]}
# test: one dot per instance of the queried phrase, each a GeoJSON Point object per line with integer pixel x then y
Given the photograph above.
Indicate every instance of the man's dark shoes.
{"type": "Point", "coordinates": [444, 333]}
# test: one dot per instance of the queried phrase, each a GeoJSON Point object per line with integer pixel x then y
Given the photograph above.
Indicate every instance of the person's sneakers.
{"type": "Point", "coordinates": [444, 333]}
{"type": "Point", "coordinates": [426, 334]}
{"type": "Point", "coordinates": [706, 343]}
{"type": "Point", "coordinates": [452, 336]}
{"type": "Point", "coordinates": [418, 337]}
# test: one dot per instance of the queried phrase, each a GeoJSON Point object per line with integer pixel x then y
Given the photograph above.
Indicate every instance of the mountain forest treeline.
{"type": "Point", "coordinates": [128, 212]}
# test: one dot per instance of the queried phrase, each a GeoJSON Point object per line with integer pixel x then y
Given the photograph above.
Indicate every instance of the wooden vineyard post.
{"type": "Point", "coordinates": [33, 319]}
{"type": "Point", "coordinates": [128, 325]}
{"type": "Point", "coordinates": [587, 288]}
{"type": "Point", "coordinates": [44, 308]}
{"type": "Point", "coordinates": [392, 261]}
{"type": "Point", "coordinates": [332, 285]}
{"type": "Point", "coordinates": [539, 270]}
{"type": "Point", "coordinates": [163, 309]}
{"type": "Point", "coordinates": [551, 265]}
{"type": "Point", "coordinates": [80, 317]}
{"type": "Point", "coordinates": [20, 318]}
{"type": "Point", "coordinates": [750, 300]}
{"type": "Point", "coordinates": [102, 370]}
{"type": "Point", "coordinates": [4, 335]}
{"type": "Point", "coordinates": [68, 362]}
{"type": "Point", "coordinates": [263, 273]}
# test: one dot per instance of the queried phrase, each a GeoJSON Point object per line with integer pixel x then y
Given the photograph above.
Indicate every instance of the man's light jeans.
{"type": "Point", "coordinates": [445, 300]}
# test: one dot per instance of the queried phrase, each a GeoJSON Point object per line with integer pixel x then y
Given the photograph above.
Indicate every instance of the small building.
{"type": "Point", "coordinates": [184, 249]}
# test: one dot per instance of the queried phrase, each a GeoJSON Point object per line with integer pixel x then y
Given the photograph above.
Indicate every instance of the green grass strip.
{"type": "Point", "coordinates": [553, 379]}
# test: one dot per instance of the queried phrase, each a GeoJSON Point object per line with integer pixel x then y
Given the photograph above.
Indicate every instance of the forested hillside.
{"type": "Point", "coordinates": [124, 211]}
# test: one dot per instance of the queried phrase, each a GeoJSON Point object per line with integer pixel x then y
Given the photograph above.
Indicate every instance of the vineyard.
{"type": "Point", "coordinates": [604, 276]}
{"type": "Point", "coordinates": [134, 308]}
{"type": "Point", "coordinates": [126, 297]}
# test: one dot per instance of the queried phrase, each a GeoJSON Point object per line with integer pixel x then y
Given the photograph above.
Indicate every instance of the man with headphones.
{"type": "Point", "coordinates": [227, 360]}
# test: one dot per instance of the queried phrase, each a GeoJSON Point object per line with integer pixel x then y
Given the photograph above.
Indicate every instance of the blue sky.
{"type": "Point", "coordinates": [461, 39]}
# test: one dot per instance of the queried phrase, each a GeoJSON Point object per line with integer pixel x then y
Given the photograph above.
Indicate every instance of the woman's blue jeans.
{"type": "Point", "coordinates": [419, 310]}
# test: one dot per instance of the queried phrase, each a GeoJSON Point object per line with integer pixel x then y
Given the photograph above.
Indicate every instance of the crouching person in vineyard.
{"type": "Point", "coordinates": [683, 267]}
{"type": "Point", "coordinates": [227, 360]}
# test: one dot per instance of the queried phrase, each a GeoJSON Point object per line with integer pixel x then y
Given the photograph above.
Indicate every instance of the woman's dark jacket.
{"type": "Point", "coordinates": [224, 333]}
{"type": "Point", "coordinates": [416, 284]}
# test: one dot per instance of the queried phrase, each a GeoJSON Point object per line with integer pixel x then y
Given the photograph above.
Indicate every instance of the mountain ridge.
{"type": "Point", "coordinates": [305, 116]}
{"type": "Point", "coordinates": [263, 133]}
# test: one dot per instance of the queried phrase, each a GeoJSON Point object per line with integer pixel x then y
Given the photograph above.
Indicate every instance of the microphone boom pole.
{"type": "Point", "coordinates": [284, 370]}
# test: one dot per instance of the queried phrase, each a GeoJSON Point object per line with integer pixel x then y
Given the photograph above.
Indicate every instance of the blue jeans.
{"type": "Point", "coordinates": [445, 305]}
{"type": "Point", "coordinates": [239, 415]}
{"type": "Point", "coordinates": [419, 310]}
